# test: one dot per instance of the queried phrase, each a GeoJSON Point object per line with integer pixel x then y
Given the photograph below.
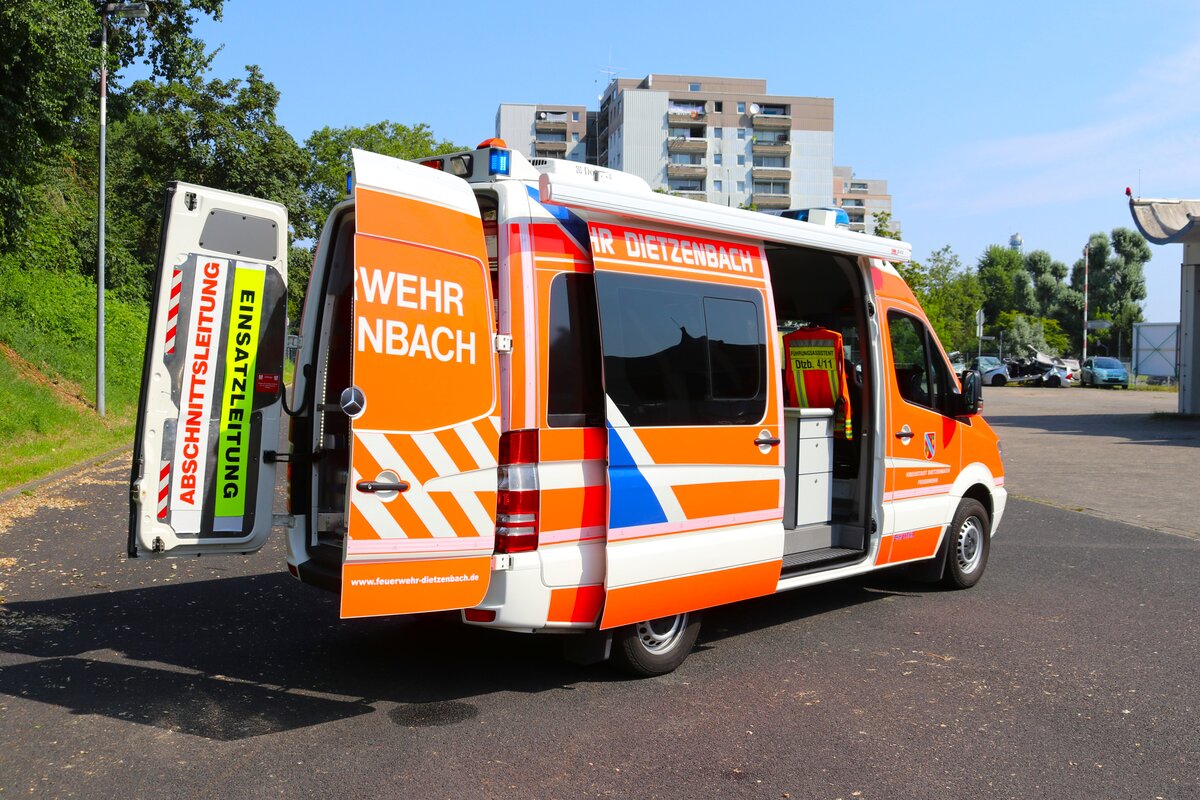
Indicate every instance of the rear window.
{"type": "Point", "coordinates": [1108, 363]}
{"type": "Point", "coordinates": [575, 394]}
{"type": "Point", "coordinates": [682, 352]}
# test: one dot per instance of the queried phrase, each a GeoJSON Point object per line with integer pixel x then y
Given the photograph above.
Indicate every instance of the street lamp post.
{"type": "Point", "coordinates": [126, 11]}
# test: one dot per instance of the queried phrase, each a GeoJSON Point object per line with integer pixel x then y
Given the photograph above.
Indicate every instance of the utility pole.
{"type": "Point", "coordinates": [1086, 247]}
{"type": "Point", "coordinates": [126, 11]}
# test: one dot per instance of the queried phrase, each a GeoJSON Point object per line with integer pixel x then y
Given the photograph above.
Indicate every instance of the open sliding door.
{"type": "Point", "coordinates": [695, 469]}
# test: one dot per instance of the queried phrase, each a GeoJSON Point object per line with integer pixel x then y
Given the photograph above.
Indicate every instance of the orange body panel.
{"type": "Point", "coordinates": [407, 587]}
{"type": "Point", "coordinates": [630, 604]}
{"type": "Point", "coordinates": [576, 604]}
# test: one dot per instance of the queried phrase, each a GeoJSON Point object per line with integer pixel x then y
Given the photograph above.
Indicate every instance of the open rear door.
{"type": "Point", "coordinates": [423, 403]}
{"type": "Point", "coordinates": [694, 419]}
{"type": "Point", "coordinates": [212, 377]}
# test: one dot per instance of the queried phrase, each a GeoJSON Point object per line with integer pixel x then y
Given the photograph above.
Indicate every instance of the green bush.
{"type": "Point", "coordinates": [49, 318]}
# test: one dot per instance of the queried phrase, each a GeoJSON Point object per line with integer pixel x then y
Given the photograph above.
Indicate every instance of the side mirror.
{"type": "Point", "coordinates": [971, 398]}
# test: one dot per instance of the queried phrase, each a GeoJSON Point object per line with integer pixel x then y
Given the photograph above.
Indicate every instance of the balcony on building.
{"type": "Point", "coordinates": [547, 149]}
{"type": "Point", "coordinates": [691, 195]}
{"type": "Point", "coordinates": [771, 144]}
{"type": "Point", "coordinates": [770, 173]}
{"type": "Point", "coordinates": [686, 171]}
{"type": "Point", "coordinates": [771, 201]}
{"type": "Point", "coordinates": [550, 122]}
{"type": "Point", "coordinates": [687, 144]}
{"type": "Point", "coordinates": [687, 115]}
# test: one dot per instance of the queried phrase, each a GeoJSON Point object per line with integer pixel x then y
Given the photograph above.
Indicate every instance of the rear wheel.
{"type": "Point", "coordinates": [657, 646]}
{"type": "Point", "coordinates": [969, 545]}
{"type": "Point", "coordinates": [1054, 382]}
{"type": "Point", "coordinates": [999, 380]}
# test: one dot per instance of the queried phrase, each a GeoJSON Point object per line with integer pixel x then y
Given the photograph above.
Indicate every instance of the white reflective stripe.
{"type": "Point", "coordinates": [477, 480]}
{"type": "Point", "coordinates": [445, 467]}
{"type": "Point", "coordinates": [437, 456]}
{"type": "Point", "coordinates": [371, 507]}
{"type": "Point", "coordinates": [570, 474]}
{"type": "Point", "coordinates": [657, 481]}
{"type": "Point", "coordinates": [416, 496]}
{"type": "Point", "coordinates": [615, 417]}
{"type": "Point", "coordinates": [912, 463]}
{"type": "Point", "coordinates": [475, 444]}
{"type": "Point", "coordinates": [529, 290]}
{"type": "Point", "coordinates": [692, 474]}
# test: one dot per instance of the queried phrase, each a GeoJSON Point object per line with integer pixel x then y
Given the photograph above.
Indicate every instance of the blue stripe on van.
{"type": "Point", "coordinates": [631, 500]}
{"type": "Point", "coordinates": [575, 227]}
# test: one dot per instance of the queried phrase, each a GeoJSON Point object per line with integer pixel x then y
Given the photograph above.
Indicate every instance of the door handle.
{"type": "Point", "coordinates": [372, 487]}
{"type": "Point", "coordinates": [905, 435]}
{"type": "Point", "coordinates": [767, 441]}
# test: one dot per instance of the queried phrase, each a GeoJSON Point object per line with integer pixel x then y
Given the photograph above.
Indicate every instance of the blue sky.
{"type": "Point", "coordinates": [985, 119]}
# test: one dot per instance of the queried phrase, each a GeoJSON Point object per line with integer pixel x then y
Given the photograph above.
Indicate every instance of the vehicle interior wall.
{"type": "Point", "coordinates": [813, 287]}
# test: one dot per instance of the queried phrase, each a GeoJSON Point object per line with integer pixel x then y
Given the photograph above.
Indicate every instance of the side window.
{"type": "Point", "coordinates": [922, 376]}
{"type": "Point", "coordinates": [575, 396]}
{"type": "Point", "coordinates": [682, 352]}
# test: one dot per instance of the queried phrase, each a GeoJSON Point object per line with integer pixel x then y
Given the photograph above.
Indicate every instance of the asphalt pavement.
{"type": "Point", "coordinates": [1068, 672]}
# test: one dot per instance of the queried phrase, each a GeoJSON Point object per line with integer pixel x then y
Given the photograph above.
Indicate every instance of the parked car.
{"type": "Point", "coordinates": [1039, 369]}
{"type": "Point", "coordinates": [1073, 367]}
{"type": "Point", "coordinates": [993, 370]}
{"type": "Point", "coordinates": [1104, 371]}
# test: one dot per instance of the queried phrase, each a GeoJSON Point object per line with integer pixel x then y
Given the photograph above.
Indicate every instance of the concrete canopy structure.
{"type": "Point", "coordinates": [1178, 222]}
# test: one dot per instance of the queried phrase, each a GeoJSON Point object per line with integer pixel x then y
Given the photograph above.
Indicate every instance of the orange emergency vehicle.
{"type": "Point", "coordinates": [543, 395]}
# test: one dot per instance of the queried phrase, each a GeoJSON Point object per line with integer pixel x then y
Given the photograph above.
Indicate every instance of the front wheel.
{"type": "Point", "coordinates": [999, 380]}
{"type": "Point", "coordinates": [969, 545]}
{"type": "Point", "coordinates": [657, 646]}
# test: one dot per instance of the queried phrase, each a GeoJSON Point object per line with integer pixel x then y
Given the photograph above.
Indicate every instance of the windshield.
{"type": "Point", "coordinates": [1108, 363]}
{"type": "Point", "coordinates": [988, 362]}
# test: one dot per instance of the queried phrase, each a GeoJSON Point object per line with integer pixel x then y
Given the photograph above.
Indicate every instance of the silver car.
{"type": "Point", "coordinates": [993, 370]}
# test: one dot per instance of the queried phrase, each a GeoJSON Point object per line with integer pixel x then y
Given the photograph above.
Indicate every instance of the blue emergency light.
{"type": "Point", "coordinates": [499, 161]}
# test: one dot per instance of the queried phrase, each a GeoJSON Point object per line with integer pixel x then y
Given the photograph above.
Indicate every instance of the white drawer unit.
{"type": "Point", "coordinates": [809, 466]}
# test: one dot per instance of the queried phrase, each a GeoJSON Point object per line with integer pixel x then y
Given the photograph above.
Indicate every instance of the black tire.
{"type": "Point", "coordinates": [657, 646]}
{"type": "Point", "coordinates": [968, 544]}
{"type": "Point", "coordinates": [999, 380]}
{"type": "Point", "coordinates": [1054, 382]}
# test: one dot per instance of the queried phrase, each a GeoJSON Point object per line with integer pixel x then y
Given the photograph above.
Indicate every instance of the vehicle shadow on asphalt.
{"type": "Point", "coordinates": [238, 657]}
{"type": "Point", "coordinates": [1139, 429]}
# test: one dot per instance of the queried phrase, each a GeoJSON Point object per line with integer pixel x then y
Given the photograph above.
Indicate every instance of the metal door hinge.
{"type": "Point", "coordinates": [503, 343]}
{"type": "Point", "coordinates": [501, 562]}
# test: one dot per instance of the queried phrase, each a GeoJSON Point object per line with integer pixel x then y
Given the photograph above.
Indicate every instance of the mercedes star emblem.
{"type": "Point", "coordinates": [353, 402]}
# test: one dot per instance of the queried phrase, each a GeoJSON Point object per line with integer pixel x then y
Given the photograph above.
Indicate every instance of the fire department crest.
{"type": "Point", "coordinates": [930, 446]}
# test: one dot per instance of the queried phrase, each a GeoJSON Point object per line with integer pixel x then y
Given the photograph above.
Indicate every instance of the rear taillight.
{"type": "Point", "coordinates": [517, 497]}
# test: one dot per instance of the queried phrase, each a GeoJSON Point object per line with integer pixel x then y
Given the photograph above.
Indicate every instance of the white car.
{"type": "Point", "coordinates": [993, 371]}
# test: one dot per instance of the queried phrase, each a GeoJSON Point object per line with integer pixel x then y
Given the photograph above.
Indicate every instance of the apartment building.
{"type": "Point", "coordinates": [862, 198]}
{"type": "Point", "coordinates": [547, 131]}
{"type": "Point", "coordinates": [724, 140]}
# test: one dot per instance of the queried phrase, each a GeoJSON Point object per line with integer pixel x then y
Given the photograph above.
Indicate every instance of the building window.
{"type": "Point", "coordinates": [574, 116]}
{"type": "Point", "coordinates": [741, 108]}
{"type": "Point", "coordinates": [717, 186]}
{"type": "Point", "coordinates": [574, 137]}
{"type": "Point", "coordinates": [717, 159]}
{"type": "Point", "coordinates": [741, 133]}
{"type": "Point", "coordinates": [741, 161]}
{"type": "Point", "coordinates": [682, 352]}
{"type": "Point", "coordinates": [693, 87]}
{"type": "Point", "coordinates": [718, 106]}
{"type": "Point", "coordinates": [716, 133]}
{"type": "Point", "coordinates": [741, 186]}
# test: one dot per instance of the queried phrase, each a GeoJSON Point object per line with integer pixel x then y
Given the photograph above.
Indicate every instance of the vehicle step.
{"type": "Point", "coordinates": [810, 557]}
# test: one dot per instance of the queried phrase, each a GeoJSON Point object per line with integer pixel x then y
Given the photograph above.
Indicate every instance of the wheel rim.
{"type": "Point", "coordinates": [969, 548]}
{"type": "Point", "coordinates": [661, 635]}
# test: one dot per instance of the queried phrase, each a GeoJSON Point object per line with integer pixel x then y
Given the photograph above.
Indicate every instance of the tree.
{"type": "Point", "coordinates": [1116, 281]}
{"type": "Point", "coordinates": [883, 225]}
{"type": "Point", "coordinates": [222, 134]}
{"type": "Point", "coordinates": [949, 294]}
{"type": "Point", "coordinates": [328, 151]}
{"type": "Point", "coordinates": [1005, 283]}
{"type": "Point", "coordinates": [48, 93]}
